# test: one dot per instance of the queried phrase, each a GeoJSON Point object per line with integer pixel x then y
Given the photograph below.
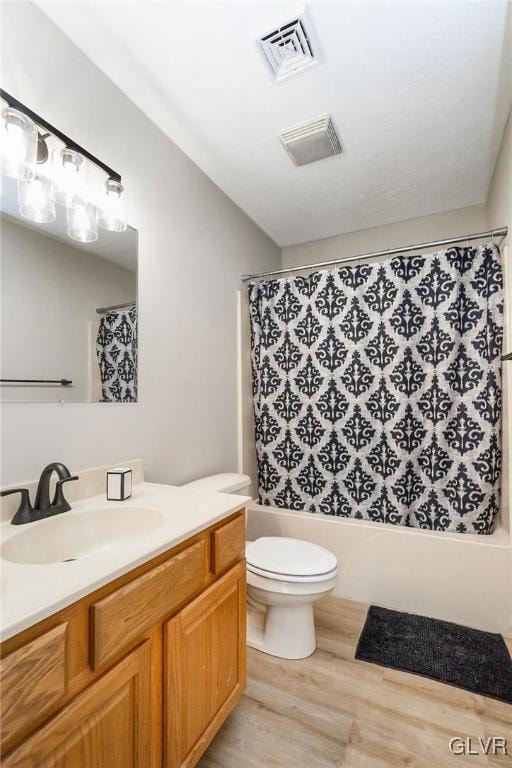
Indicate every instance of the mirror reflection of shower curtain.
{"type": "Point", "coordinates": [377, 390]}
{"type": "Point", "coordinates": [116, 350]}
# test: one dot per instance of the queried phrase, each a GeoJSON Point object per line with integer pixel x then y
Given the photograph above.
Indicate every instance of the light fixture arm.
{"type": "Point", "coordinates": [42, 123]}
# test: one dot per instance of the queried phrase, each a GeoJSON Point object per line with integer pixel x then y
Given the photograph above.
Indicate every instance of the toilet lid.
{"type": "Point", "coordinates": [293, 557]}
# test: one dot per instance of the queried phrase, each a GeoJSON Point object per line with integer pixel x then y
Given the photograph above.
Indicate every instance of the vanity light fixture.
{"type": "Point", "coordinates": [62, 180]}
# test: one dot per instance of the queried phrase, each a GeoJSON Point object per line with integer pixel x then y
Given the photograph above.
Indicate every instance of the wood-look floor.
{"type": "Point", "coordinates": [331, 711]}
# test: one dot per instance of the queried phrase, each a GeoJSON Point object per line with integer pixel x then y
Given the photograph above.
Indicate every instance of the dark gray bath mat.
{"type": "Point", "coordinates": [467, 658]}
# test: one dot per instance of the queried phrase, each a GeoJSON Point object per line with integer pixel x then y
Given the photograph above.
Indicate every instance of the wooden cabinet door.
{"type": "Point", "coordinates": [109, 724]}
{"type": "Point", "coordinates": [204, 667]}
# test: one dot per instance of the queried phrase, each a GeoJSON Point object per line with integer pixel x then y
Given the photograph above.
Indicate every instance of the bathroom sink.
{"type": "Point", "coordinates": [73, 535]}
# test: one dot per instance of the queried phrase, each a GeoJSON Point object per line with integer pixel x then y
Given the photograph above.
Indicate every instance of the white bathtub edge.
{"type": "Point", "coordinates": [465, 578]}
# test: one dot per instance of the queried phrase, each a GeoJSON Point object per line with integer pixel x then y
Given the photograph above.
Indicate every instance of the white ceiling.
{"type": "Point", "coordinates": [417, 90]}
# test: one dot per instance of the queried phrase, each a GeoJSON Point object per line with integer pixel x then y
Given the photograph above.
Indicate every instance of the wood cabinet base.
{"type": "Point", "coordinates": [154, 659]}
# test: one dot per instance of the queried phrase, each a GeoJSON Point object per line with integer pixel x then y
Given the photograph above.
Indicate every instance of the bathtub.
{"type": "Point", "coordinates": [466, 578]}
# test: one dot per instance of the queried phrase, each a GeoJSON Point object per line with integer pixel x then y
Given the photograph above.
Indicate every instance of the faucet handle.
{"type": "Point", "coordinates": [58, 498]}
{"type": "Point", "coordinates": [25, 513]}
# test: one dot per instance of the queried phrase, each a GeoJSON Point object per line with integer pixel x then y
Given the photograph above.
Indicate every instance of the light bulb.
{"type": "Point", "coordinates": [70, 176]}
{"type": "Point", "coordinates": [81, 219]}
{"type": "Point", "coordinates": [35, 195]}
{"type": "Point", "coordinates": [18, 144]}
{"type": "Point", "coordinates": [35, 198]}
{"type": "Point", "coordinates": [112, 214]}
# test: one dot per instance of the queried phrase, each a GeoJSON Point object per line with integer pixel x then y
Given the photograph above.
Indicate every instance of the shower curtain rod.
{"type": "Point", "coordinates": [104, 310]}
{"type": "Point", "coordinates": [498, 232]}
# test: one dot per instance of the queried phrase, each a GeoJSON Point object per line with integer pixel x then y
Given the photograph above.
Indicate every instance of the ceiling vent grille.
{"type": "Point", "coordinates": [288, 50]}
{"type": "Point", "coordinates": [311, 141]}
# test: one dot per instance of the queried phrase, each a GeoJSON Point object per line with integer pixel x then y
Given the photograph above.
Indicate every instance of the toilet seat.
{"type": "Point", "coordinates": [291, 577]}
{"type": "Point", "coordinates": [289, 587]}
{"type": "Point", "coordinates": [285, 559]}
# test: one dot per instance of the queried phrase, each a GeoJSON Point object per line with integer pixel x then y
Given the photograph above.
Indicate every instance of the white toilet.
{"type": "Point", "coordinates": [284, 578]}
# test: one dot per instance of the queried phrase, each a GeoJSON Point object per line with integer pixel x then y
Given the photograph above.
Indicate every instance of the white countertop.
{"type": "Point", "coordinates": [31, 592]}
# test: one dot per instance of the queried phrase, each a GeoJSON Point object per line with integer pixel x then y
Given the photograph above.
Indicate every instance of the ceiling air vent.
{"type": "Point", "coordinates": [288, 49]}
{"type": "Point", "coordinates": [311, 141]}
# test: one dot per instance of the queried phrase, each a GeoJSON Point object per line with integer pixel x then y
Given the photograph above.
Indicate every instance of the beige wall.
{"type": "Point", "coordinates": [48, 298]}
{"type": "Point", "coordinates": [193, 245]}
{"type": "Point", "coordinates": [436, 227]}
{"type": "Point", "coordinates": [499, 201]}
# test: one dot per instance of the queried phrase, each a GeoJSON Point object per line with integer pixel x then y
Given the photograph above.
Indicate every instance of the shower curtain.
{"type": "Point", "coordinates": [377, 390]}
{"type": "Point", "coordinates": [116, 350]}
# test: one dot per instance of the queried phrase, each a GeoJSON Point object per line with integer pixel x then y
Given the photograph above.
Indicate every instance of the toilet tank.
{"type": "Point", "coordinates": [227, 482]}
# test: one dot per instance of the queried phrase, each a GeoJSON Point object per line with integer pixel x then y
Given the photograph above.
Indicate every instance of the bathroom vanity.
{"type": "Point", "coordinates": [143, 669]}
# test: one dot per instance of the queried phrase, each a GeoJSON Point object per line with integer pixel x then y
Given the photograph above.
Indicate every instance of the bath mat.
{"type": "Point", "coordinates": [466, 658]}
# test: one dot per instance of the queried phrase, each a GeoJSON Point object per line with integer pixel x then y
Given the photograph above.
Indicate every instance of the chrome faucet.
{"type": "Point", "coordinates": [42, 507]}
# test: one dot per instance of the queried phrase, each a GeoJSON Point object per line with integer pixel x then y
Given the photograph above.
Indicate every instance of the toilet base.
{"type": "Point", "coordinates": [286, 631]}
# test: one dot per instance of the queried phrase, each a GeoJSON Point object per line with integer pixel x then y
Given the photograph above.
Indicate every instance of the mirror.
{"type": "Point", "coordinates": [68, 311]}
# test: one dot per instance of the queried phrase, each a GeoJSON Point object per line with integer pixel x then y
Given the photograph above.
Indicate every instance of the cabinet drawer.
{"type": "Point", "coordinates": [228, 544]}
{"type": "Point", "coordinates": [120, 619]}
{"type": "Point", "coordinates": [32, 680]}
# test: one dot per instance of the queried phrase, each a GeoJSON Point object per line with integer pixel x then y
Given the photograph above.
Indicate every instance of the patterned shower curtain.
{"type": "Point", "coordinates": [377, 390]}
{"type": "Point", "coordinates": [116, 350]}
